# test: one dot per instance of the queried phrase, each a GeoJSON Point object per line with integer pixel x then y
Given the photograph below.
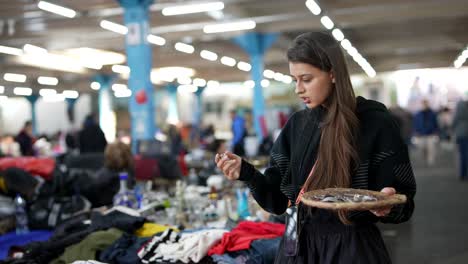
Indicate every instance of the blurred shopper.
{"type": "Point", "coordinates": [238, 133]}
{"type": "Point", "coordinates": [175, 140]}
{"type": "Point", "coordinates": [91, 138]}
{"type": "Point", "coordinates": [338, 141]}
{"type": "Point", "coordinates": [460, 127]}
{"type": "Point", "coordinates": [9, 147]}
{"type": "Point", "coordinates": [404, 119]}
{"type": "Point", "coordinates": [445, 123]}
{"type": "Point", "coordinates": [26, 139]}
{"type": "Point", "coordinates": [426, 130]}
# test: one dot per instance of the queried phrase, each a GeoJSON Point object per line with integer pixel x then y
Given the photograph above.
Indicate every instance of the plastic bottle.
{"type": "Point", "coordinates": [21, 215]}
{"type": "Point", "coordinates": [192, 177]}
{"type": "Point", "coordinates": [122, 197]}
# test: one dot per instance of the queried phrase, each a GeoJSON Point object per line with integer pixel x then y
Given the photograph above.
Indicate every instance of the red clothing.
{"type": "Point", "coordinates": [241, 236]}
{"type": "Point", "coordinates": [43, 167]}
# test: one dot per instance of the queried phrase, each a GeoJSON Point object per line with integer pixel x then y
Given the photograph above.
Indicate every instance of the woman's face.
{"type": "Point", "coordinates": [313, 86]}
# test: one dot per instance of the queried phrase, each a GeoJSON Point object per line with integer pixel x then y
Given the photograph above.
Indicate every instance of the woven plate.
{"type": "Point", "coordinates": [358, 200]}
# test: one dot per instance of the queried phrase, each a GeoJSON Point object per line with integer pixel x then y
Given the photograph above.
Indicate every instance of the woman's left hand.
{"type": "Point", "coordinates": [384, 211]}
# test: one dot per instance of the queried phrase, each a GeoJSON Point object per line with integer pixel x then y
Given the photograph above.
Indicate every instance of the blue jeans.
{"type": "Point", "coordinates": [463, 149]}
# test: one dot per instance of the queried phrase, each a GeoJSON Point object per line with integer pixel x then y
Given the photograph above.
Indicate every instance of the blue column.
{"type": "Point", "coordinates": [173, 110]}
{"type": "Point", "coordinates": [32, 100]}
{"type": "Point", "coordinates": [139, 58]}
{"type": "Point", "coordinates": [197, 114]}
{"type": "Point", "coordinates": [256, 44]}
{"type": "Point", "coordinates": [104, 97]}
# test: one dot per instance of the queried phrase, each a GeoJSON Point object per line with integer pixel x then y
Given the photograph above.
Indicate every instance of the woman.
{"type": "Point", "coordinates": [350, 142]}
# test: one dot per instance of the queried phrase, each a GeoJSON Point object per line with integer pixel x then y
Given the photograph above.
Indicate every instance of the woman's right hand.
{"type": "Point", "coordinates": [229, 164]}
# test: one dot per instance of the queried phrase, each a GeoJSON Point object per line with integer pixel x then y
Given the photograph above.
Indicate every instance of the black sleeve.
{"type": "Point", "coordinates": [265, 187]}
{"type": "Point", "coordinates": [392, 168]}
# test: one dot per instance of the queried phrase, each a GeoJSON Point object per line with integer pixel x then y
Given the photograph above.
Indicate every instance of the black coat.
{"type": "Point", "coordinates": [92, 139]}
{"type": "Point", "coordinates": [383, 155]}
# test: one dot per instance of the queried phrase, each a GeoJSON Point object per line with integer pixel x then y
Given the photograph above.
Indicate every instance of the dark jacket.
{"type": "Point", "coordinates": [92, 139]}
{"type": "Point", "coordinates": [460, 120]}
{"type": "Point", "coordinates": [383, 155]}
{"type": "Point", "coordinates": [425, 123]}
{"type": "Point", "coordinates": [26, 143]}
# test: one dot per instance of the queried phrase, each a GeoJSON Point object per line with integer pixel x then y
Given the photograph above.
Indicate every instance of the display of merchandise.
{"type": "Point", "coordinates": [21, 215]}
{"type": "Point", "coordinates": [123, 196]}
{"type": "Point", "coordinates": [242, 203]}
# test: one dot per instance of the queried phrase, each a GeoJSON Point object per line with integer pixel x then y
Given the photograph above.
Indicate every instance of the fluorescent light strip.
{"type": "Point", "coordinates": [47, 80]}
{"type": "Point", "coordinates": [186, 48]}
{"type": "Point", "coordinates": [11, 51]}
{"type": "Point", "coordinates": [54, 98]}
{"type": "Point", "coordinates": [287, 79]}
{"type": "Point", "coordinates": [461, 59]}
{"type": "Point", "coordinates": [14, 77]}
{"type": "Point", "coordinates": [265, 83]}
{"type": "Point", "coordinates": [187, 89]}
{"type": "Point", "coordinates": [269, 74]}
{"type": "Point", "coordinates": [249, 84]}
{"type": "Point", "coordinates": [228, 61]}
{"type": "Point", "coordinates": [208, 55]}
{"type": "Point", "coordinates": [95, 86]}
{"type": "Point", "coordinates": [123, 93]}
{"type": "Point", "coordinates": [47, 92]}
{"type": "Point", "coordinates": [28, 48]}
{"type": "Point", "coordinates": [338, 34]}
{"type": "Point", "coordinates": [122, 69]}
{"type": "Point", "coordinates": [232, 26]}
{"type": "Point", "coordinates": [346, 44]}
{"type": "Point", "coordinates": [327, 22]}
{"type": "Point", "coordinates": [199, 82]}
{"type": "Point", "coordinates": [59, 10]}
{"type": "Point", "coordinates": [313, 7]}
{"type": "Point", "coordinates": [114, 27]}
{"type": "Point", "coordinates": [184, 80]}
{"type": "Point", "coordinates": [71, 94]}
{"type": "Point", "coordinates": [244, 66]}
{"type": "Point", "coordinates": [278, 76]}
{"type": "Point", "coordinates": [193, 8]}
{"type": "Point", "coordinates": [24, 91]}
{"type": "Point", "coordinates": [156, 40]}
{"type": "Point", "coordinates": [119, 87]}
{"type": "Point", "coordinates": [213, 84]}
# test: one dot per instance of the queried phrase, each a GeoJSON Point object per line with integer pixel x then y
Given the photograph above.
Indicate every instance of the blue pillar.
{"type": "Point", "coordinates": [197, 114]}
{"type": "Point", "coordinates": [173, 110]}
{"type": "Point", "coordinates": [32, 100]}
{"type": "Point", "coordinates": [256, 44]}
{"type": "Point", "coordinates": [139, 58]}
{"type": "Point", "coordinates": [104, 98]}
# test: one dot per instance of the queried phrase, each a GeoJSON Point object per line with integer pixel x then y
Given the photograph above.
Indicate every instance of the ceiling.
{"type": "Point", "coordinates": [391, 35]}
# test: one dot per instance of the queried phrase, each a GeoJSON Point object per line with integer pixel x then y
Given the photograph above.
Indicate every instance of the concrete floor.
{"type": "Point", "coordinates": [438, 230]}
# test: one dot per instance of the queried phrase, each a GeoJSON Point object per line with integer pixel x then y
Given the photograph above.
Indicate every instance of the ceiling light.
{"type": "Point", "coordinates": [11, 51]}
{"type": "Point", "coordinates": [94, 58]}
{"type": "Point", "coordinates": [13, 77]}
{"type": "Point", "coordinates": [244, 66]}
{"type": "Point", "coordinates": [2, 89]}
{"type": "Point", "coordinates": [123, 93]}
{"type": "Point", "coordinates": [47, 92]}
{"type": "Point", "coordinates": [269, 74]}
{"type": "Point", "coordinates": [327, 22]}
{"type": "Point", "coordinates": [184, 80]}
{"type": "Point", "coordinates": [287, 79]}
{"type": "Point", "coordinates": [54, 98]}
{"type": "Point", "coordinates": [91, 65]}
{"type": "Point", "coordinates": [156, 40]}
{"type": "Point", "coordinates": [265, 83]}
{"type": "Point", "coordinates": [47, 80]}
{"type": "Point", "coordinates": [119, 87]}
{"type": "Point", "coordinates": [59, 10]}
{"type": "Point", "coordinates": [114, 27]}
{"type": "Point", "coordinates": [122, 69]}
{"type": "Point", "coordinates": [228, 61]}
{"type": "Point", "coordinates": [278, 76]}
{"type": "Point", "coordinates": [338, 34]}
{"type": "Point", "coordinates": [233, 26]}
{"type": "Point", "coordinates": [346, 44]}
{"type": "Point", "coordinates": [95, 86]}
{"type": "Point", "coordinates": [352, 51]}
{"type": "Point", "coordinates": [186, 48]}
{"type": "Point", "coordinates": [313, 7]}
{"type": "Point", "coordinates": [187, 89]}
{"type": "Point", "coordinates": [25, 91]}
{"type": "Point", "coordinates": [249, 84]}
{"type": "Point", "coordinates": [51, 61]}
{"type": "Point", "coordinates": [193, 8]}
{"type": "Point", "coordinates": [213, 84]}
{"type": "Point", "coordinates": [199, 82]}
{"type": "Point", "coordinates": [28, 48]}
{"type": "Point", "coordinates": [208, 55]}
{"type": "Point", "coordinates": [71, 94]}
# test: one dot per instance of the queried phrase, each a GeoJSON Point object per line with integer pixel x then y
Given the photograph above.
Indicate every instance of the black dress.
{"type": "Point", "coordinates": [384, 162]}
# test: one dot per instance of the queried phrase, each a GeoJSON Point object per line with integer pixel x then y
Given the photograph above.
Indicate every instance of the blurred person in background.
{"type": "Point", "coordinates": [238, 130]}
{"type": "Point", "coordinates": [460, 128]}
{"type": "Point", "coordinates": [26, 139]}
{"type": "Point", "coordinates": [426, 130]}
{"type": "Point", "coordinates": [91, 139]}
{"type": "Point", "coordinates": [9, 147]}
{"type": "Point", "coordinates": [445, 123]}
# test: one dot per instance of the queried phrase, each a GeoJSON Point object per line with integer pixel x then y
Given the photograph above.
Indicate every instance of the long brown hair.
{"type": "Point", "coordinates": [337, 154]}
